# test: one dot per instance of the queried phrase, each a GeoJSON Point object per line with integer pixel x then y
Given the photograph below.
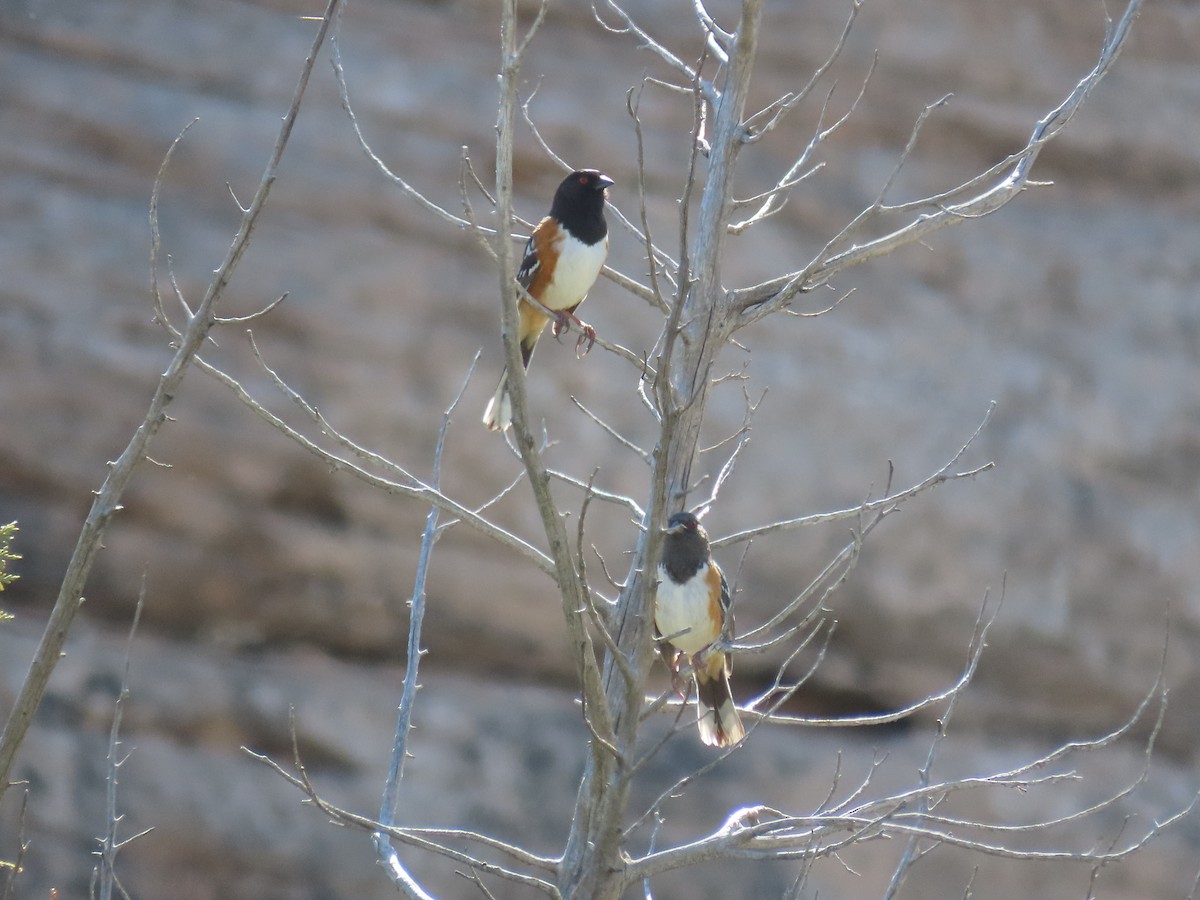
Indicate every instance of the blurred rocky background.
{"type": "Point", "coordinates": [273, 584]}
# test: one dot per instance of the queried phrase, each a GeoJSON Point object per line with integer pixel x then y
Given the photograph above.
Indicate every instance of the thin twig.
{"type": "Point", "coordinates": [109, 844]}
{"type": "Point", "coordinates": [417, 838]}
{"type": "Point", "coordinates": [389, 806]}
{"type": "Point", "coordinates": [761, 299]}
{"type": "Point", "coordinates": [107, 500]}
{"type": "Point", "coordinates": [416, 490]}
{"type": "Point", "coordinates": [941, 476]}
{"type": "Point", "coordinates": [612, 432]}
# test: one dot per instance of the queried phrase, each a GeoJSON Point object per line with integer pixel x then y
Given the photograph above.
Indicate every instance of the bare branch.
{"type": "Point", "coordinates": [606, 749]}
{"type": "Point", "coordinates": [416, 490]}
{"type": "Point", "coordinates": [645, 372]}
{"type": "Point", "coordinates": [742, 436]}
{"type": "Point", "coordinates": [107, 499]}
{"type": "Point", "coordinates": [367, 456]}
{"type": "Point", "coordinates": [629, 26]}
{"type": "Point", "coordinates": [16, 866]}
{"type": "Point", "coordinates": [106, 875]}
{"type": "Point", "coordinates": [474, 878]}
{"type": "Point", "coordinates": [912, 848]}
{"type": "Point", "coordinates": [633, 102]}
{"type": "Point", "coordinates": [785, 104]}
{"type": "Point", "coordinates": [344, 92]}
{"type": "Point", "coordinates": [613, 433]}
{"type": "Point", "coordinates": [240, 320]}
{"type": "Point", "coordinates": [776, 197]}
{"type": "Point", "coordinates": [419, 838]}
{"type": "Point", "coordinates": [533, 28]}
{"type": "Point", "coordinates": [389, 806]}
{"type": "Point", "coordinates": [941, 476]}
{"type": "Point", "coordinates": [709, 24]}
{"type": "Point", "coordinates": [759, 833]}
{"type": "Point", "coordinates": [517, 854]}
{"type": "Point", "coordinates": [160, 314]}
{"type": "Point", "coordinates": [715, 37]}
{"type": "Point", "coordinates": [761, 299]}
{"type": "Point", "coordinates": [598, 619]}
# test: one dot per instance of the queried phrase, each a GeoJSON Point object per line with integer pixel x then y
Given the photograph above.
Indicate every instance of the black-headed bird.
{"type": "Point", "coordinates": [563, 257]}
{"type": "Point", "coordinates": [692, 614]}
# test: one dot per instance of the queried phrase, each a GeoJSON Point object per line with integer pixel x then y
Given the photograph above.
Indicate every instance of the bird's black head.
{"type": "Point", "coordinates": [582, 183]}
{"type": "Point", "coordinates": [683, 522]}
{"type": "Point", "coordinates": [685, 548]}
{"type": "Point", "coordinates": [579, 204]}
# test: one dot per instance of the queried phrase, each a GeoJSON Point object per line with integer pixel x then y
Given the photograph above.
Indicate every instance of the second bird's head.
{"type": "Point", "coordinates": [684, 523]}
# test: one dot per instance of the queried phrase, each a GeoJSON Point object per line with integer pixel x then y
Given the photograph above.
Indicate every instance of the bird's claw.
{"type": "Point", "coordinates": [586, 341]}
{"type": "Point", "coordinates": [563, 321]}
{"type": "Point", "coordinates": [681, 685]}
{"type": "Point", "coordinates": [681, 681]}
{"type": "Point", "coordinates": [681, 675]}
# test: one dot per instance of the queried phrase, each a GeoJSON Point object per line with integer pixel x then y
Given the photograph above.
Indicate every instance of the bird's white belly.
{"type": "Point", "coordinates": [575, 273]}
{"type": "Point", "coordinates": [680, 607]}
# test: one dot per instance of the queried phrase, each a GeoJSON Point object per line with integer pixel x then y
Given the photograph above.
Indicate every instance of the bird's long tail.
{"type": "Point", "coordinates": [498, 415]}
{"type": "Point", "coordinates": [717, 715]}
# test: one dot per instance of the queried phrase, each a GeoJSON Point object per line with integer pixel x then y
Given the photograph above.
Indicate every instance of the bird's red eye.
{"type": "Point", "coordinates": [583, 179]}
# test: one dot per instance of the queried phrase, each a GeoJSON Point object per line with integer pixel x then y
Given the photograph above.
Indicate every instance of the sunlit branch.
{"type": "Point", "coordinates": [774, 294]}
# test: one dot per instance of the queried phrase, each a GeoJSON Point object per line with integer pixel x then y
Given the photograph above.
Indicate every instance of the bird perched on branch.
{"type": "Point", "coordinates": [562, 258]}
{"type": "Point", "coordinates": [694, 620]}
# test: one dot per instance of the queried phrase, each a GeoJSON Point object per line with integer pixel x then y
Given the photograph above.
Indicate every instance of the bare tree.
{"type": "Point", "coordinates": [611, 847]}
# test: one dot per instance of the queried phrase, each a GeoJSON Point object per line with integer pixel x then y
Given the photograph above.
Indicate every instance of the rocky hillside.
{"type": "Point", "coordinates": [272, 583]}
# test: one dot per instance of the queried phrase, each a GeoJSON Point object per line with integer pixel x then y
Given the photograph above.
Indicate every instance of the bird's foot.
{"type": "Point", "coordinates": [681, 675]}
{"type": "Point", "coordinates": [681, 684]}
{"type": "Point", "coordinates": [586, 341]}
{"type": "Point", "coordinates": [563, 321]}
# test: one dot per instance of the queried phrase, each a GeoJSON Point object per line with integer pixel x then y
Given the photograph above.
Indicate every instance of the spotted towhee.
{"type": "Point", "coordinates": [563, 256]}
{"type": "Point", "coordinates": [692, 615]}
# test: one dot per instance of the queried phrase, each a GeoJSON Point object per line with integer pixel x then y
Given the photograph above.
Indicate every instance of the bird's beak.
{"type": "Point", "coordinates": [604, 181]}
{"type": "Point", "coordinates": [678, 529]}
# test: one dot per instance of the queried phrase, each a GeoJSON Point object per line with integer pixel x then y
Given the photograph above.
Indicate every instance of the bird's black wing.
{"type": "Point", "coordinates": [726, 604]}
{"type": "Point", "coordinates": [529, 264]}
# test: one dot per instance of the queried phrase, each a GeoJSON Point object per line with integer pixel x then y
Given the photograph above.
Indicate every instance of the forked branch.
{"type": "Point", "coordinates": [980, 196]}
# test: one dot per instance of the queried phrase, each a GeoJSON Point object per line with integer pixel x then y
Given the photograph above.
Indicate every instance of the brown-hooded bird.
{"type": "Point", "coordinates": [692, 614]}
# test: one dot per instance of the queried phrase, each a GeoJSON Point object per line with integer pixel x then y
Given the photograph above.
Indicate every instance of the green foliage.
{"type": "Point", "coordinates": [7, 533]}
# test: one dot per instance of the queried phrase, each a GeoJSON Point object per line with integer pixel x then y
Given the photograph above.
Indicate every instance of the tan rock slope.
{"type": "Point", "coordinates": [272, 582]}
